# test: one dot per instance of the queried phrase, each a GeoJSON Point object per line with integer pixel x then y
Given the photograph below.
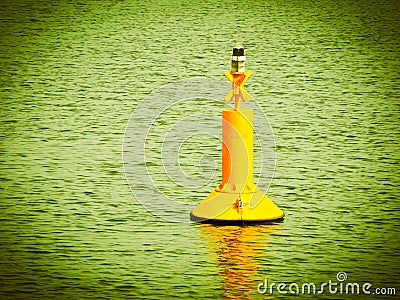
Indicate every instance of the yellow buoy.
{"type": "Point", "coordinates": [237, 198]}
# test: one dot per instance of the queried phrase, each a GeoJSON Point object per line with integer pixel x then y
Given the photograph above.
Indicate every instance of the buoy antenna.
{"type": "Point", "coordinates": [238, 76]}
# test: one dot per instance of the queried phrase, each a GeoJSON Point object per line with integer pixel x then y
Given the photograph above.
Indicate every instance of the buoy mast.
{"type": "Point", "coordinates": [238, 76]}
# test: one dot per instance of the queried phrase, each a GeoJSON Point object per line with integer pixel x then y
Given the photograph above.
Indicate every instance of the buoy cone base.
{"type": "Point", "coordinates": [250, 207]}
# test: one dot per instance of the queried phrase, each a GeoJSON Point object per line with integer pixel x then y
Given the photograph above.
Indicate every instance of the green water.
{"type": "Point", "coordinates": [72, 73]}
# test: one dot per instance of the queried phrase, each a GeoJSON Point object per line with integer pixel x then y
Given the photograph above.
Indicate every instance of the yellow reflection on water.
{"type": "Point", "coordinates": [240, 253]}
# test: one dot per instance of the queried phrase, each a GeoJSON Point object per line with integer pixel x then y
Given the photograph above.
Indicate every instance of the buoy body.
{"type": "Point", "coordinates": [237, 150]}
{"type": "Point", "coordinates": [237, 198]}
